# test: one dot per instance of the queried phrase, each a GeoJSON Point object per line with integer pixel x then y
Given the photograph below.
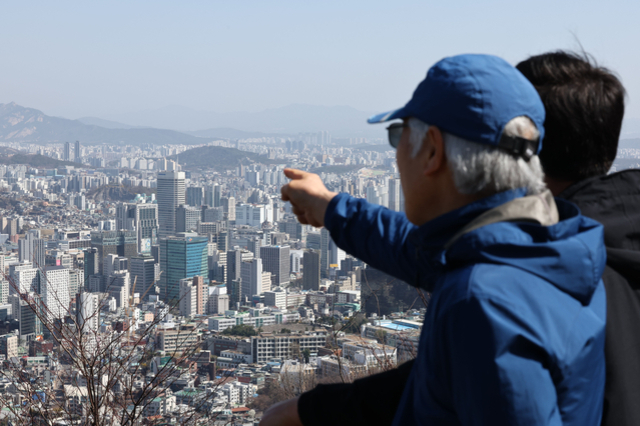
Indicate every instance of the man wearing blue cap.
{"type": "Point", "coordinates": [514, 333]}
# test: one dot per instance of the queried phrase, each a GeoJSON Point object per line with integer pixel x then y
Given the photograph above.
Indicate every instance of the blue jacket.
{"type": "Point", "coordinates": [514, 332]}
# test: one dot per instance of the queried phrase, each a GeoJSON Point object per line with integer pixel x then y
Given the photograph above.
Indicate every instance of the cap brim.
{"type": "Point", "coordinates": [387, 116]}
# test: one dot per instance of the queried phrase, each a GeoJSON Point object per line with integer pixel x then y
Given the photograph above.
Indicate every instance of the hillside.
{"type": "Point", "coordinates": [218, 158]}
{"type": "Point", "coordinates": [113, 193]}
{"type": "Point", "coordinates": [35, 160]}
{"type": "Point", "coordinates": [20, 124]}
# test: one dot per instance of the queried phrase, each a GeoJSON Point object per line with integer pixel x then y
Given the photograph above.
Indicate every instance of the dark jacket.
{"type": "Point", "coordinates": [614, 201]}
{"type": "Point", "coordinates": [525, 299]}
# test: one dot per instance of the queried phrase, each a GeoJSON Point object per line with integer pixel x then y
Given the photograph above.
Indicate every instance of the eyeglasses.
{"type": "Point", "coordinates": [395, 133]}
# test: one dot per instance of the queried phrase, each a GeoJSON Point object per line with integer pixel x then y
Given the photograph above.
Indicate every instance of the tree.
{"type": "Point", "coordinates": [98, 378]}
{"type": "Point", "coordinates": [240, 330]}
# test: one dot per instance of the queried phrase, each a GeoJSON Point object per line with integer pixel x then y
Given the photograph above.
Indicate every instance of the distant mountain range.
{"type": "Point", "coordinates": [20, 124]}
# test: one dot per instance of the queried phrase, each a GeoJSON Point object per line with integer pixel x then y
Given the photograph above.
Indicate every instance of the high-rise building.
{"type": "Point", "coordinates": [31, 249]}
{"type": "Point", "coordinates": [25, 279]}
{"type": "Point", "coordinates": [234, 263]}
{"type": "Point", "coordinates": [91, 263]}
{"type": "Point", "coordinates": [122, 243]}
{"type": "Point", "coordinates": [180, 258]}
{"type": "Point", "coordinates": [9, 346]}
{"type": "Point", "coordinates": [218, 301]}
{"type": "Point", "coordinates": [145, 274]}
{"type": "Point", "coordinates": [170, 195]}
{"type": "Point", "coordinates": [76, 282]}
{"type": "Point", "coordinates": [66, 156]}
{"type": "Point", "coordinates": [54, 289]}
{"type": "Point", "coordinates": [187, 218]}
{"type": "Point", "coordinates": [395, 195]}
{"type": "Point", "coordinates": [311, 270]}
{"type": "Point", "coordinates": [77, 153]}
{"type": "Point", "coordinates": [229, 206]}
{"type": "Point", "coordinates": [24, 311]}
{"type": "Point", "coordinates": [275, 259]}
{"type": "Point", "coordinates": [141, 217]}
{"type": "Point", "coordinates": [192, 296]}
{"type": "Point", "coordinates": [88, 312]}
{"type": "Point", "coordinates": [195, 196]}
{"type": "Point", "coordinates": [254, 245]}
{"type": "Point", "coordinates": [251, 274]}
{"type": "Point", "coordinates": [325, 246]}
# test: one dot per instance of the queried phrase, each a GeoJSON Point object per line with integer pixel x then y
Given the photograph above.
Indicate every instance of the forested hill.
{"type": "Point", "coordinates": [218, 158]}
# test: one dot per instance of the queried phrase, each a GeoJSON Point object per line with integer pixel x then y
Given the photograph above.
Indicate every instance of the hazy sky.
{"type": "Point", "coordinates": [79, 58]}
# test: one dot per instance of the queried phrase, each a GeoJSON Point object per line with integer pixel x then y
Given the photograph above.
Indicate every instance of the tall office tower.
{"type": "Point", "coordinates": [195, 196]}
{"type": "Point", "coordinates": [25, 279]}
{"type": "Point", "coordinates": [181, 257]}
{"type": "Point", "coordinates": [275, 259]}
{"type": "Point", "coordinates": [144, 273]}
{"type": "Point", "coordinates": [193, 296]}
{"type": "Point", "coordinates": [66, 156]}
{"type": "Point", "coordinates": [325, 247]}
{"type": "Point", "coordinates": [29, 325]}
{"type": "Point", "coordinates": [76, 282]}
{"type": "Point", "coordinates": [142, 218]}
{"type": "Point", "coordinates": [91, 263]}
{"type": "Point", "coordinates": [251, 275]}
{"type": "Point", "coordinates": [314, 241]}
{"type": "Point", "coordinates": [171, 194]}
{"type": "Point", "coordinates": [187, 218]}
{"type": "Point", "coordinates": [31, 249]}
{"type": "Point", "coordinates": [2, 266]}
{"type": "Point", "coordinates": [217, 196]}
{"type": "Point", "coordinates": [218, 301]}
{"type": "Point", "coordinates": [229, 206]}
{"type": "Point", "coordinates": [236, 298]}
{"type": "Point", "coordinates": [88, 312]}
{"type": "Point", "coordinates": [395, 192]}
{"type": "Point", "coordinates": [202, 289]}
{"type": "Point", "coordinates": [222, 240]}
{"type": "Point", "coordinates": [122, 243]}
{"type": "Point", "coordinates": [254, 244]}
{"type": "Point", "coordinates": [77, 153]}
{"type": "Point", "coordinates": [4, 291]}
{"type": "Point", "coordinates": [119, 287]}
{"type": "Point", "coordinates": [208, 196]}
{"type": "Point", "coordinates": [235, 258]}
{"type": "Point", "coordinates": [311, 270]}
{"type": "Point", "coordinates": [188, 297]}
{"type": "Point", "coordinates": [54, 289]}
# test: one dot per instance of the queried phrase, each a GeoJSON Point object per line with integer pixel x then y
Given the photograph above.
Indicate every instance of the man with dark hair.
{"type": "Point", "coordinates": [585, 106]}
{"type": "Point", "coordinates": [514, 333]}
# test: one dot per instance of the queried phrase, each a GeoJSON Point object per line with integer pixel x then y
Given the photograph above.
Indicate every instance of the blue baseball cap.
{"type": "Point", "coordinates": [474, 97]}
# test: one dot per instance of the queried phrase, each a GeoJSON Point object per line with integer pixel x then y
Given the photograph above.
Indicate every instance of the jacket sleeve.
{"type": "Point", "coordinates": [374, 234]}
{"type": "Point", "coordinates": [499, 374]}
{"type": "Point", "coordinates": [372, 400]}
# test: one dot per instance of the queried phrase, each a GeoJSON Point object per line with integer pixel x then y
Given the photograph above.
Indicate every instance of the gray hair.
{"type": "Point", "coordinates": [479, 168]}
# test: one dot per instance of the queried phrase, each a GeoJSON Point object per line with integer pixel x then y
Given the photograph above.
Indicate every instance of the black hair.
{"type": "Point", "coordinates": [584, 105]}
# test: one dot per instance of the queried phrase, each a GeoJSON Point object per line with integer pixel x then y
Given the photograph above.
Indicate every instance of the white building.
{"type": "Point", "coordinates": [54, 288]}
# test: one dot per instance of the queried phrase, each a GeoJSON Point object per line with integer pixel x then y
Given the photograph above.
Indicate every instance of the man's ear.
{"type": "Point", "coordinates": [432, 156]}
